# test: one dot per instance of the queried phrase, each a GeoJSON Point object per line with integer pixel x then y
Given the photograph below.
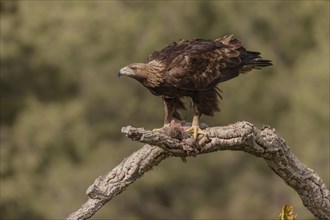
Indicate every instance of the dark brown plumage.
{"type": "Point", "coordinates": [193, 68]}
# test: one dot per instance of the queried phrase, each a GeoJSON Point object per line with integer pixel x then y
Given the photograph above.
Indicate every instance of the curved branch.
{"type": "Point", "coordinates": [242, 136]}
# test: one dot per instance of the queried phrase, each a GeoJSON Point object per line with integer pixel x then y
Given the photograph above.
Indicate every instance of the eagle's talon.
{"type": "Point", "coordinates": [160, 130]}
{"type": "Point", "coordinates": [195, 130]}
{"type": "Point", "coordinates": [157, 129]}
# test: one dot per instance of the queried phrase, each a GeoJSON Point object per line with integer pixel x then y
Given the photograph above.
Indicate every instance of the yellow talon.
{"type": "Point", "coordinates": [157, 129]}
{"type": "Point", "coordinates": [195, 130]}
{"type": "Point", "coordinates": [160, 129]}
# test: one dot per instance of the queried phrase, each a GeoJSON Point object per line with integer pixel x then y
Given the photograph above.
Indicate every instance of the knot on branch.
{"type": "Point", "coordinates": [95, 192]}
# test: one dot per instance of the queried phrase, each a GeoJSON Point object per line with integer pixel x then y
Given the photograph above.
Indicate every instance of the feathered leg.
{"type": "Point", "coordinates": [170, 111]}
{"type": "Point", "coordinates": [195, 129]}
{"type": "Point", "coordinates": [169, 107]}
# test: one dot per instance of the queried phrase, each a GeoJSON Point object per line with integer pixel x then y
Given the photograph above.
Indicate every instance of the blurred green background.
{"type": "Point", "coordinates": [62, 105]}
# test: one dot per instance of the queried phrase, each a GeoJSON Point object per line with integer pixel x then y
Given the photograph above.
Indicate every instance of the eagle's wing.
{"type": "Point", "coordinates": [170, 52]}
{"type": "Point", "coordinates": [199, 64]}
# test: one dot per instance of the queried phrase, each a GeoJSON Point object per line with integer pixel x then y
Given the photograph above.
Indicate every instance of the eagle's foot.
{"type": "Point", "coordinates": [161, 130]}
{"type": "Point", "coordinates": [172, 129]}
{"type": "Point", "coordinates": [158, 129]}
{"type": "Point", "coordinates": [195, 130]}
{"type": "Point", "coordinates": [166, 126]}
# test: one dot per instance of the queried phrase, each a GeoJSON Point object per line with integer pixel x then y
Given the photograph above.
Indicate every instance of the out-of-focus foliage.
{"type": "Point", "coordinates": [62, 105]}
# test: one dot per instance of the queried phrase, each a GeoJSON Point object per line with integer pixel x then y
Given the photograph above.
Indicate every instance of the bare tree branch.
{"type": "Point", "coordinates": [242, 136]}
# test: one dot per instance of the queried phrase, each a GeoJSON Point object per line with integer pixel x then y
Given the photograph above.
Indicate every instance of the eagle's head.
{"type": "Point", "coordinates": [145, 73]}
{"type": "Point", "coordinates": [138, 71]}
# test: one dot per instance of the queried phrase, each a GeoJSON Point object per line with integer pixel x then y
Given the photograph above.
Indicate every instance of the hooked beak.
{"type": "Point", "coordinates": [125, 71]}
{"type": "Point", "coordinates": [120, 73]}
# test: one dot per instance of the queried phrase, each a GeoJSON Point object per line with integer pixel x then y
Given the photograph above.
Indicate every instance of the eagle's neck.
{"type": "Point", "coordinates": [154, 76]}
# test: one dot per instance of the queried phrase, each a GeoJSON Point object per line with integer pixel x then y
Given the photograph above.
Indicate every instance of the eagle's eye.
{"type": "Point", "coordinates": [133, 68]}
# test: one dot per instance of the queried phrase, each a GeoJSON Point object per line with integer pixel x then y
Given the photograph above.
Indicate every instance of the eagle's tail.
{"type": "Point", "coordinates": [252, 60]}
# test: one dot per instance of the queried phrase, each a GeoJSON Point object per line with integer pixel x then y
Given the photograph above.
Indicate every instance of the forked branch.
{"type": "Point", "coordinates": [242, 136]}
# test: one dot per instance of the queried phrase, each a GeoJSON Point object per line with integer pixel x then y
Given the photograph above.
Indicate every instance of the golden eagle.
{"type": "Point", "coordinates": [193, 68]}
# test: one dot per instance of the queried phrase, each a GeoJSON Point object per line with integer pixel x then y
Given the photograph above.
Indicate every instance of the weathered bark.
{"type": "Point", "coordinates": [242, 136]}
